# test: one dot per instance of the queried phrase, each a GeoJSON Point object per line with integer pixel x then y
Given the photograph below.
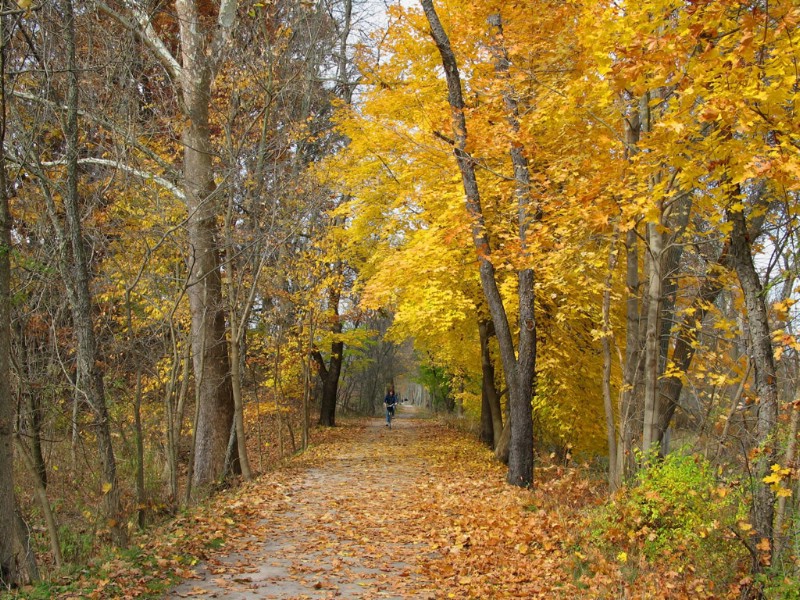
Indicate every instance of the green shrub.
{"type": "Point", "coordinates": [676, 513]}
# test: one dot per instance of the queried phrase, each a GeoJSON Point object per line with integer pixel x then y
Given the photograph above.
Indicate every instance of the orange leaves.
{"type": "Point", "coordinates": [421, 511]}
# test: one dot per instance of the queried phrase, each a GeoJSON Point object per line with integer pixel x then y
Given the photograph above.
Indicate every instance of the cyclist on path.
{"type": "Point", "coordinates": [390, 401]}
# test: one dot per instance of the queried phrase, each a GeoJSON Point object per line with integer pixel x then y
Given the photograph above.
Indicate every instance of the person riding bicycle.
{"type": "Point", "coordinates": [390, 401]}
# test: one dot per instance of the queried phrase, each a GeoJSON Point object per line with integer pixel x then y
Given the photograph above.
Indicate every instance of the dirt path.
{"type": "Point", "coordinates": [339, 530]}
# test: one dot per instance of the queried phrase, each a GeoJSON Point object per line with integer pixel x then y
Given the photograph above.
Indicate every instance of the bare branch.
{"type": "Point", "coordinates": [93, 116]}
{"type": "Point", "coordinates": [166, 184]}
{"type": "Point", "coordinates": [142, 26]}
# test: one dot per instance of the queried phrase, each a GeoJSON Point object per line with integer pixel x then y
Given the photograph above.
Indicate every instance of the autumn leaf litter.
{"type": "Point", "coordinates": [421, 511]}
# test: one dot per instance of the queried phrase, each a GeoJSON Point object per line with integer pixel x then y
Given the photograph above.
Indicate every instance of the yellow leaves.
{"type": "Point", "coordinates": [782, 340]}
{"type": "Point", "coordinates": [107, 487]}
{"type": "Point", "coordinates": [745, 526]}
{"type": "Point", "coordinates": [782, 308]}
{"type": "Point", "coordinates": [777, 478]}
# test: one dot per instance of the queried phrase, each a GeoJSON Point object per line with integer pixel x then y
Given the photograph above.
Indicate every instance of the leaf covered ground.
{"type": "Point", "coordinates": [419, 511]}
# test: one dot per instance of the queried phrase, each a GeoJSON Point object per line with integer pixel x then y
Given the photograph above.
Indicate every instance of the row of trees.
{"type": "Point", "coordinates": [165, 259]}
{"type": "Point", "coordinates": [599, 204]}
{"type": "Point", "coordinates": [583, 215]}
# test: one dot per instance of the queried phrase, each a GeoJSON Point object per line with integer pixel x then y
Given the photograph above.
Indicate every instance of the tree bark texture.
{"type": "Point", "coordinates": [652, 345]}
{"type": "Point", "coordinates": [491, 410]}
{"type": "Point", "coordinates": [43, 501]}
{"type": "Point", "coordinates": [31, 422]}
{"type": "Point", "coordinates": [614, 478]}
{"type": "Point", "coordinates": [519, 373]}
{"type": "Point", "coordinates": [238, 333]}
{"type": "Point", "coordinates": [765, 379]}
{"type": "Point", "coordinates": [633, 340]}
{"type": "Point", "coordinates": [81, 303]}
{"type": "Point", "coordinates": [14, 564]}
{"type": "Point", "coordinates": [330, 374]}
{"type": "Point", "coordinates": [527, 213]}
{"type": "Point", "coordinates": [209, 345]}
{"type": "Point", "coordinates": [633, 357]}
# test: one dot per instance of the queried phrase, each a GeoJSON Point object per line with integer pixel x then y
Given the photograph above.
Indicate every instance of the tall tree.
{"type": "Point", "coordinates": [16, 564]}
{"type": "Point", "coordinates": [62, 181]}
{"type": "Point", "coordinates": [766, 382]}
{"type": "Point", "coordinates": [76, 266]}
{"type": "Point", "coordinates": [203, 34]}
{"type": "Point", "coordinates": [518, 362]}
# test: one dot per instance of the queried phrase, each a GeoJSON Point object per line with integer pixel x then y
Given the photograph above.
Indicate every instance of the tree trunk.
{"type": "Point", "coordinates": [520, 457]}
{"type": "Point", "coordinates": [209, 344]}
{"type": "Point", "coordinates": [652, 345]}
{"type": "Point", "coordinates": [330, 386]}
{"type": "Point", "coordinates": [330, 374]}
{"type": "Point", "coordinates": [761, 354]}
{"type": "Point", "coordinates": [305, 440]}
{"type": "Point", "coordinates": [677, 218]}
{"type": "Point", "coordinates": [141, 493]}
{"type": "Point", "coordinates": [44, 503]}
{"type": "Point", "coordinates": [519, 374]}
{"type": "Point", "coordinates": [170, 409]}
{"type": "Point", "coordinates": [628, 398]}
{"type": "Point", "coordinates": [486, 435]}
{"type": "Point", "coordinates": [32, 420]}
{"type": "Point", "coordinates": [491, 410]}
{"type": "Point", "coordinates": [76, 268]}
{"type": "Point", "coordinates": [633, 356]}
{"type": "Point", "coordinates": [14, 569]}
{"type": "Point", "coordinates": [238, 401]}
{"type": "Point", "coordinates": [238, 328]}
{"type": "Point", "coordinates": [614, 478]}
